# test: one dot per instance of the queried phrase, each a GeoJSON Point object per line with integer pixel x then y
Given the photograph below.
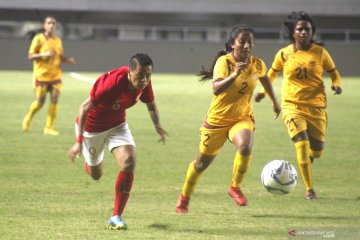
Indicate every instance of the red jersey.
{"type": "Point", "coordinates": [111, 95]}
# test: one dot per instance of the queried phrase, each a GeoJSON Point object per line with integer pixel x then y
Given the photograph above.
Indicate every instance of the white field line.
{"type": "Point", "coordinates": [82, 77]}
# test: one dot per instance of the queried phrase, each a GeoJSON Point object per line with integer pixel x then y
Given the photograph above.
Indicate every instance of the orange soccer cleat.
{"type": "Point", "coordinates": [237, 195]}
{"type": "Point", "coordinates": [182, 204]}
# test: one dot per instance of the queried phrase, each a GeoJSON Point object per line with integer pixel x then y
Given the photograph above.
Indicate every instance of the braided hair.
{"type": "Point", "coordinates": [207, 74]}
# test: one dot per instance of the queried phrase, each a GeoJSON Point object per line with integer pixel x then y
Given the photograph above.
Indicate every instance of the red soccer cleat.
{"type": "Point", "coordinates": [237, 195]}
{"type": "Point", "coordinates": [182, 205]}
{"type": "Point", "coordinates": [311, 194]}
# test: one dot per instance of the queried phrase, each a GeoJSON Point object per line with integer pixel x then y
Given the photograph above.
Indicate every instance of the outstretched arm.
{"type": "Point", "coordinates": [272, 74]}
{"type": "Point", "coordinates": [155, 117]}
{"type": "Point", "coordinates": [69, 60]}
{"type": "Point", "coordinates": [336, 79]}
{"type": "Point", "coordinates": [76, 149]}
{"type": "Point", "coordinates": [265, 82]}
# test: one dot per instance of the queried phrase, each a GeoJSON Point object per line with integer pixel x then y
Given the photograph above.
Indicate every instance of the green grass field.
{"type": "Point", "coordinates": [45, 196]}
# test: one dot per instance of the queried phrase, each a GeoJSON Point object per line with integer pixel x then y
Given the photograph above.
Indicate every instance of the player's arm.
{"type": "Point", "coordinates": [336, 79]}
{"type": "Point", "coordinates": [69, 60]}
{"type": "Point", "coordinates": [155, 117]}
{"type": "Point", "coordinates": [34, 56]}
{"type": "Point", "coordinates": [272, 74]}
{"type": "Point", "coordinates": [265, 82]}
{"type": "Point", "coordinates": [76, 149]}
{"type": "Point", "coordinates": [221, 84]}
{"type": "Point", "coordinates": [329, 66]}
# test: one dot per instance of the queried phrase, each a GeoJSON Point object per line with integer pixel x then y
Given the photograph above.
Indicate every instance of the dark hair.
{"type": "Point", "coordinates": [140, 59]}
{"type": "Point", "coordinates": [207, 74]}
{"type": "Point", "coordinates": [32, 33]}
{"type": "Point", "coordinates": [293, 19]}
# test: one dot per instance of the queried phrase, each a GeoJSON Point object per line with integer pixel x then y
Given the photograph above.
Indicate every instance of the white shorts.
{"type": "Point", "coordinates": [94, 143]}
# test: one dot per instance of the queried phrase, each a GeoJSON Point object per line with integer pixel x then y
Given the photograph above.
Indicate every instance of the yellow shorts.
{"type": "Point", "coordinates": [302, 118]}
{"type": "Point", "coordinates": [213, 138]}
{"type": "Point", "coordinates": [42, 88]}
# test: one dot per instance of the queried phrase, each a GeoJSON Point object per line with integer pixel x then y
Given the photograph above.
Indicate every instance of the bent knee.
{"type": "Point", "coordinates": [129, 164]}
{"type": "Point", "coordinates": [245, 149]}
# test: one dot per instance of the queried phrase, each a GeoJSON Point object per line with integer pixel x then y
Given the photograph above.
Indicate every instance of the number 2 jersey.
{"type": "Point", "coordinates": [234, 103]}
{"type": "Point", "coordinates": [303, 83]}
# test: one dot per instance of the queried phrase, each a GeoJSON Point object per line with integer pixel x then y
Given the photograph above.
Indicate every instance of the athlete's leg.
{"type": "Point", "coordinates": [302, 146]}
{"type": "Point", "coordinates": [193, 174]}
{"type": "Point", "coordinates": [243, 141]}
{"type": "Point", "coordinates": [52, 112]}
{"type": "Point", "coordinates": [126, 158]}
{"type": "Point", "coordinates": [40, 94]}
{"type": "Point", "coordinates": [316, 148]}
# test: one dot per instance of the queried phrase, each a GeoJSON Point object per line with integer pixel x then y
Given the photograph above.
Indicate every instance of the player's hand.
{"type": "Point", "coordinates": [48, 54]}
{"type": "Point", "coordinates": [74, 151]}
{"type": "Point", "coordinates": [71, 60]}
{"type": "Point", "coordinates": [277, 110]}
{"type": "Point", "coordinates": [336, 89]}
{"type": "Point", "coordinates": [163, 134]}
{"type": "Point", "coordinates": [259, 96]}
{"type": "Point", "coordinates": [241, 66]}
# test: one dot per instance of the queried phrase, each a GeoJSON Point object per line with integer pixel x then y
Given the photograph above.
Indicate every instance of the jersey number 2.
{"type": "Point", "coordinates": [243, 87]}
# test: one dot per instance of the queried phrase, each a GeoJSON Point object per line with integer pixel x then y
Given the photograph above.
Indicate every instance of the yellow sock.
{"type": "Point", "coordinates": [316, 154]}
{"type": "Point", "coordinates": [34, 107]}
{"type": "Point", "coordinates": [52, 112]}
{"type": "Point", "coordinates": [191, 179]}
{"type": "Point", "coordinates": [303, 159]}
{"type": "Point", "coordinates": [241, 165]}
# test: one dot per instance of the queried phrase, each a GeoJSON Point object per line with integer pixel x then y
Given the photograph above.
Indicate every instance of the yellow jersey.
{"type": "Point", "coordinates": [234, 103]}
{"type": "Point", "coordinates": [303, 70]}
{"type": "Point", "coordinates": [47, 68]}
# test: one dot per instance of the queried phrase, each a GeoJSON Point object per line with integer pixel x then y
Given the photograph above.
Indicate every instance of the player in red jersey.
{"type": "Point", "coordinates": [101, 121]}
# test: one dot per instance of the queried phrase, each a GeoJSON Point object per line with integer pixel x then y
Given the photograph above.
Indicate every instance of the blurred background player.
{"type": "Point", "coordinates": [46, 51]}
{"type": "Point", "coordinates": [234, 73]}
{"type": "Point", "coordinates": [101, 120]}
{"type": "Point", "coordinates": [303, 92]}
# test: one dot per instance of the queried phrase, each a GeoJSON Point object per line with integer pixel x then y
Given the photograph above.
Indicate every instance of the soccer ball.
{"type": "Point", "coordinates": [279, 177]}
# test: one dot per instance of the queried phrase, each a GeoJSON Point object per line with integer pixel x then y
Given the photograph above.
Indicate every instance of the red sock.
{"type": "Point", "coordinates": [86, 168]}
{"type": "Point", "coordinates": [122, 191]}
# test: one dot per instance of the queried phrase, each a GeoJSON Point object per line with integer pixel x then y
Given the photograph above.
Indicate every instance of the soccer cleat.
{"type": "Point", "coordinates": [50, 131]}
{"type": "Point", "coordinates": [237, 195]}
{"type": "Point", "coordinates": [115, 223]}
{"type": "Point", "coordinates": [182, 206]}
{"type": "Point", "coordinates": [311, 194]}
{"type": "Point", "coordinates": [26, 124]}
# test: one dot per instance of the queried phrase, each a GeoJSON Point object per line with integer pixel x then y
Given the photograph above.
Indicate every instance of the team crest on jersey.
{"type": "Point", "coordinates": [116, 105]}
{"type": "Point", "coordinates": [312, 63]}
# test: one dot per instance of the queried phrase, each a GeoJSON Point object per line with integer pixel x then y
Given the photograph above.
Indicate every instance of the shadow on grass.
{"type": "Point", "coordinates": [228, 232]}
{"type": "Point", "coordinates": [303, 217]}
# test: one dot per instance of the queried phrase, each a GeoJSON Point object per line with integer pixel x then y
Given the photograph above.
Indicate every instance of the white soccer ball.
{"type": "Point", "coordinates": [279, 177]}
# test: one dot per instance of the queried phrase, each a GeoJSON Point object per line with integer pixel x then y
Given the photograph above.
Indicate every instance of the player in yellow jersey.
{"type": "Point", "coordinates": [234, 73]}
{"type": "Point", "coordinates": [303, 92]}
{"type": "Point", "coordinates": [46, 51]}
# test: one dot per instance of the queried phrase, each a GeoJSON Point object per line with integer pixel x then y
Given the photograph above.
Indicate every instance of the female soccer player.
{"type": "Point", "coordinates": [101, 120]}
{"type": "Point", "coordinates": [303, 92]}
{"type": "Point", "coordinates": [234, 73]}
{"type": "Point", "coordinates": [46, 51]}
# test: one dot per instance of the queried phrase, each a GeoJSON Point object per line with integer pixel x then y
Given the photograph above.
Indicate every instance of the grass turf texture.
{"type": "Point", "coordinates": [45, 196]}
